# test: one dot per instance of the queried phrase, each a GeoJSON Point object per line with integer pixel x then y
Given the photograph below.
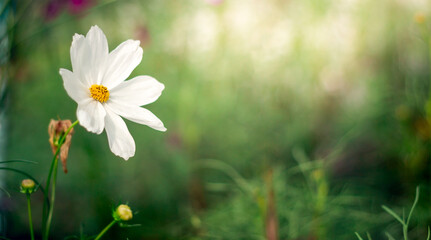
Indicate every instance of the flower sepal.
{"type": "Point", "coordinates": [28, 186]}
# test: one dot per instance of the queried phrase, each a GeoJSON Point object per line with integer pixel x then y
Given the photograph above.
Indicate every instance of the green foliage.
{"type": "Point", "coordinates": [404, 222]}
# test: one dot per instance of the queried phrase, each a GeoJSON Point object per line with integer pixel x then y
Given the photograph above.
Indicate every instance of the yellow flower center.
{"type": "Point", "coordinates": [99, 92]}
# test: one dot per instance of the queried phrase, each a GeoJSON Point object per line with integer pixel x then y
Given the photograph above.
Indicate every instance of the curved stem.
{"type": "Point", "coordinates": [105, 230]}
{"type": "Point", "coordinates": [48, 209]}
{"type": "Point", "coordinates": [30, 221]}
{"type": "Point", "coordinates": [428, 102]}
{"type": "Point", "coordinates": [51, 206]}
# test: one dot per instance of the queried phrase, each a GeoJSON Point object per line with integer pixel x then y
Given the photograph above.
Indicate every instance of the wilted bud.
{"type": "Point", "coordinates": [28, 186]}
{"type": "Point", "coordinates": [56, 129]}
{"type": "Point", "coordinates": [123, 213]}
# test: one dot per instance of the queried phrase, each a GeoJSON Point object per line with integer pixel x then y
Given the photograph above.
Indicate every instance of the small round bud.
{"type": "Point", "coordinates": [28, 186]}
{"type": "Point", "coordinates": [123, 213]}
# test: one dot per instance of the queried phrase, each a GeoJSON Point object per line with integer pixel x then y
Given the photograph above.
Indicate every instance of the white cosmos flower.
{"type": "Point", "coordinates": [98, 85]}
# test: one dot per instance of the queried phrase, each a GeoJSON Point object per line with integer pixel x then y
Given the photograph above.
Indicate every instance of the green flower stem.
{"type": "Point", "coordinates": [30, 221]}
{"type": "Point", "coordinates": [48, 205]}
{"type": "Point", "coordinates": [49, 208]}
{"type": "Point", "coordinates": [105, 229]}
{"type": "Point", "coordinates": [429, 59]}
{"type": "Point", "coordinates": [428, 102]}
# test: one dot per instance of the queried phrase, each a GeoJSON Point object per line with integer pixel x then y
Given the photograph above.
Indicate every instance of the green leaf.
{"type": "Point", "coordinates": [429, 235]}
{"type": "Point", "coordinates": [389, 236]}
{"type": "Point", "coordinates": [70, 237]}
{"type": "Point", "coordinates": [19, 160]}
{"type": "Point", "coordinates": [358, 236]}
{"type": "Point", "coordinates": [413, 206]}
{"type": "Point", "coordinates": [125, 225]}
{"type": "Point", "coordinates": [393, 214]}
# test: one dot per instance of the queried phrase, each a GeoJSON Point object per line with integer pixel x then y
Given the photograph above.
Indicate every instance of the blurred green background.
{"type": "Point", "coordinates": [293, 118]}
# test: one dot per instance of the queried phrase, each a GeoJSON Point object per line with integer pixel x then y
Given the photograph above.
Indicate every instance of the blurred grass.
{"type": "Point", "coordinates": [328, 94]}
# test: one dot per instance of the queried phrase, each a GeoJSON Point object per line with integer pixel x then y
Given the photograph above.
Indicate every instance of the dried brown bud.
{"type": "Point", "coordinates": [56, 130]}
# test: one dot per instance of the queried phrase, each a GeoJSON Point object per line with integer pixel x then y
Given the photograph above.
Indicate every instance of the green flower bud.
{"type": "Point", "coordinates": [123, 213]}
{"type": "Point", "coordinates": [28, 186]}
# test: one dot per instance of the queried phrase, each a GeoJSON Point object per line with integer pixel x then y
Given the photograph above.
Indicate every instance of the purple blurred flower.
{"type": "Point", "coordinates": [77, 6]}
{"type": "Point", "coordinates": [54, 7]}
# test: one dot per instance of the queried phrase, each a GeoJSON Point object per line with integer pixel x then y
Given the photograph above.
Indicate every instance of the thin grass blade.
{"type": "Point", "coordinates": [19, 160]}
{"type": "Point", "coordinates": [389, 236]}
{"type": "Point", "coordinates": [398, 218]}
{"type": "Point", "coordinates": [358, 236]}
{"type": "Point", "coordinates": [429, 235]}
{"type": "Point", "coordinates": [413, 206]}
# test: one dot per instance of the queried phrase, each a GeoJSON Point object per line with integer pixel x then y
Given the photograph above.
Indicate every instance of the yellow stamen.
{"type": "Point", "coordinates": [99, 92]}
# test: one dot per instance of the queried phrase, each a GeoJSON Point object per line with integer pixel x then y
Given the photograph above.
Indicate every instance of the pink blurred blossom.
{"type": "Point", "coordinates": [142, 34]}
{"type": "Point", "coordinates": [77, 6]}
{"type": "Point", "coordinates": [55, 7]}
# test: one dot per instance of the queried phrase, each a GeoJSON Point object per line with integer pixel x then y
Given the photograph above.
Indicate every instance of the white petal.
{"type": "Point", "coordinates": [74, 87]}
{"type": "Point", "coordinates": [88, 55]}
{"type": "Point", "coordinates": [120, 141]}
{"type": "Point", "coordinates": [136, 114]}
{"type": "Point", "coordinates": [98, 45]}
{"type": "Point", "coordinates": [91, 115]}
{"type": "Point", "coordinates": [138, 91]}
{"type": "Point", "coordinates": [121, 63]}
{"type": "Point", "coordinates": [80, 58]}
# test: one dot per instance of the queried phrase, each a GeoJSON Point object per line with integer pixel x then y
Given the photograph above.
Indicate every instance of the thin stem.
{"type": "Point", "coordinates": [30, 221]}
{"type": "Point", "coordinates": [69, 129]}
{"type": "Point", "coordinates": [51, 206]}
{"type": "Point", "coordinates": [48, 206]}
{"type": "Point", "coordinates": [428, 102]}
{"type": "Point", "coordinates": [105, 229]}
{"type": "Point", "coordinates": [406, 225]}
{"type": "Point", "coordinates": [429, 60]}
{"type": "Point", "coordinates": [47, 214]}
